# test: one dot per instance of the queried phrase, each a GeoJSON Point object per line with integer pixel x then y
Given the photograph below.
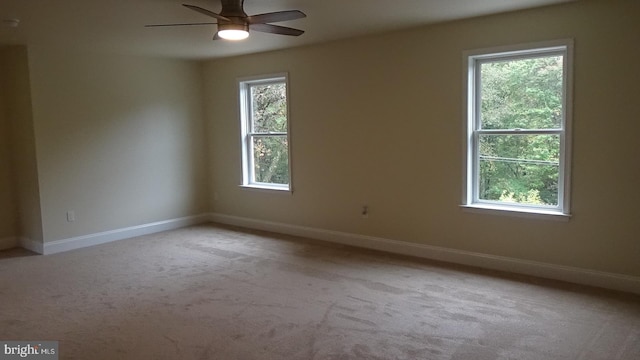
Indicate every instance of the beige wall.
{"type": "Point", "coordinates": [8, 208]}
{"type": "Point", "coordinates": [119, 140]}
{"type": "Point", "coordinates": [378, 121]}
{"type": "Point", "coordinates": [25, 188]}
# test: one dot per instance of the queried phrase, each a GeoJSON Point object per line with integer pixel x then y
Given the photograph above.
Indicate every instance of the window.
{"type": "Point", "coordinates": [518, 121]}
{"type": "Point", "coordinates": [265, 133]}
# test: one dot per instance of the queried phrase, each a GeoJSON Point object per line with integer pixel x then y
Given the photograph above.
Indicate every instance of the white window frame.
{"type": "Point", "coordinates": [248, 168]}
{"type": "Point", "coordinates": [472, 61]}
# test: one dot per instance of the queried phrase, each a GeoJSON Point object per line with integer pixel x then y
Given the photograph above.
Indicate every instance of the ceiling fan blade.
{"type": "Point", "coordinates": [275, 17]}
{"type": "Point", "coordinates": [187, 24]}
{"type": "Point", "coordinates": [206, 12]}
{"type": "Point", "coordinates": [275, 29]}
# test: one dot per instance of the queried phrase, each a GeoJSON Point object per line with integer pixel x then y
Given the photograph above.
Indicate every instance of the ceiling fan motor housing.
{"type": "Point", "coordinates": [233, 9]}
{"type": "Point", "coordinates": [233, 25]}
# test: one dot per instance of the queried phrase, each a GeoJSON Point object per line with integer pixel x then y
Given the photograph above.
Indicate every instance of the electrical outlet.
{"type": "Point", "coordinates": [71, 216]}
{"type": "Point", "coordinates": [365, 211]}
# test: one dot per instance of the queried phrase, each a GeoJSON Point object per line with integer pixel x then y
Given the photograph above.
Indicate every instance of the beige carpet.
{"type": "Point", "coordinates": [212, 292]}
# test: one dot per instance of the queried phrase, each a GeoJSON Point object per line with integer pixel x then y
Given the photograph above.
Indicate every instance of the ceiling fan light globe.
{"type": "Point", "coordinates": [233, 34]}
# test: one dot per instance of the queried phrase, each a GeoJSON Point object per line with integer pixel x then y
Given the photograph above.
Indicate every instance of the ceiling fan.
{"type": "Point", "coordinates": [234, 24]}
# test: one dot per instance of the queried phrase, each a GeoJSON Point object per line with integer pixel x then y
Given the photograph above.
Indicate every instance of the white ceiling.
{"type": "Point", "coordinates": [118, 25]}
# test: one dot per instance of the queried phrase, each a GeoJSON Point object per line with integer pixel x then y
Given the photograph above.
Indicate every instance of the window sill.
{"type": "Point", "coordinates": [540, 214]}
{"type": "Point", "coordinates": [267, 188]}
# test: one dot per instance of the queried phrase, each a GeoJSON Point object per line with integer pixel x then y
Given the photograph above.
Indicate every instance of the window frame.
{"type": "Point", "coordinates": [472, 62]}
{"type": "Point", "coordinates": [247, 135]}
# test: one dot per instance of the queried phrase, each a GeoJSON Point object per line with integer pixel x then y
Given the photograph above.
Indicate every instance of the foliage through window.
{"type": "Point", "coordinates": [517, 129]}
{"type": "Point", "coordinates": [265, 135]}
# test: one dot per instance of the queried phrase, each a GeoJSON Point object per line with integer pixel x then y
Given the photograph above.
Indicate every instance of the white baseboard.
{"type": "Point", "coordinates": [8, 242]}
{"type": "Point", "coordinates": [29, 244]}
{"type": "Point", "coordinates": [601, 279]}
{"type": "Point", "coordinates": [58, 246]}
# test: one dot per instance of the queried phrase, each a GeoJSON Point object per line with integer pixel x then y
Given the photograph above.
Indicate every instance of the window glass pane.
{"type": "Point", "coordinates": [522, 93]}
{"type": "Point", "coordinates": [271, 159]}
{"type": "Point", "coordinates": [519, 168]}
{"type": "Point", "coordinates": [269, 108]}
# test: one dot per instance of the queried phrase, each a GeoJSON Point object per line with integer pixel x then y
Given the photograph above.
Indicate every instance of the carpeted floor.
{"type": "Point", "coordinates": [213, 292]}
